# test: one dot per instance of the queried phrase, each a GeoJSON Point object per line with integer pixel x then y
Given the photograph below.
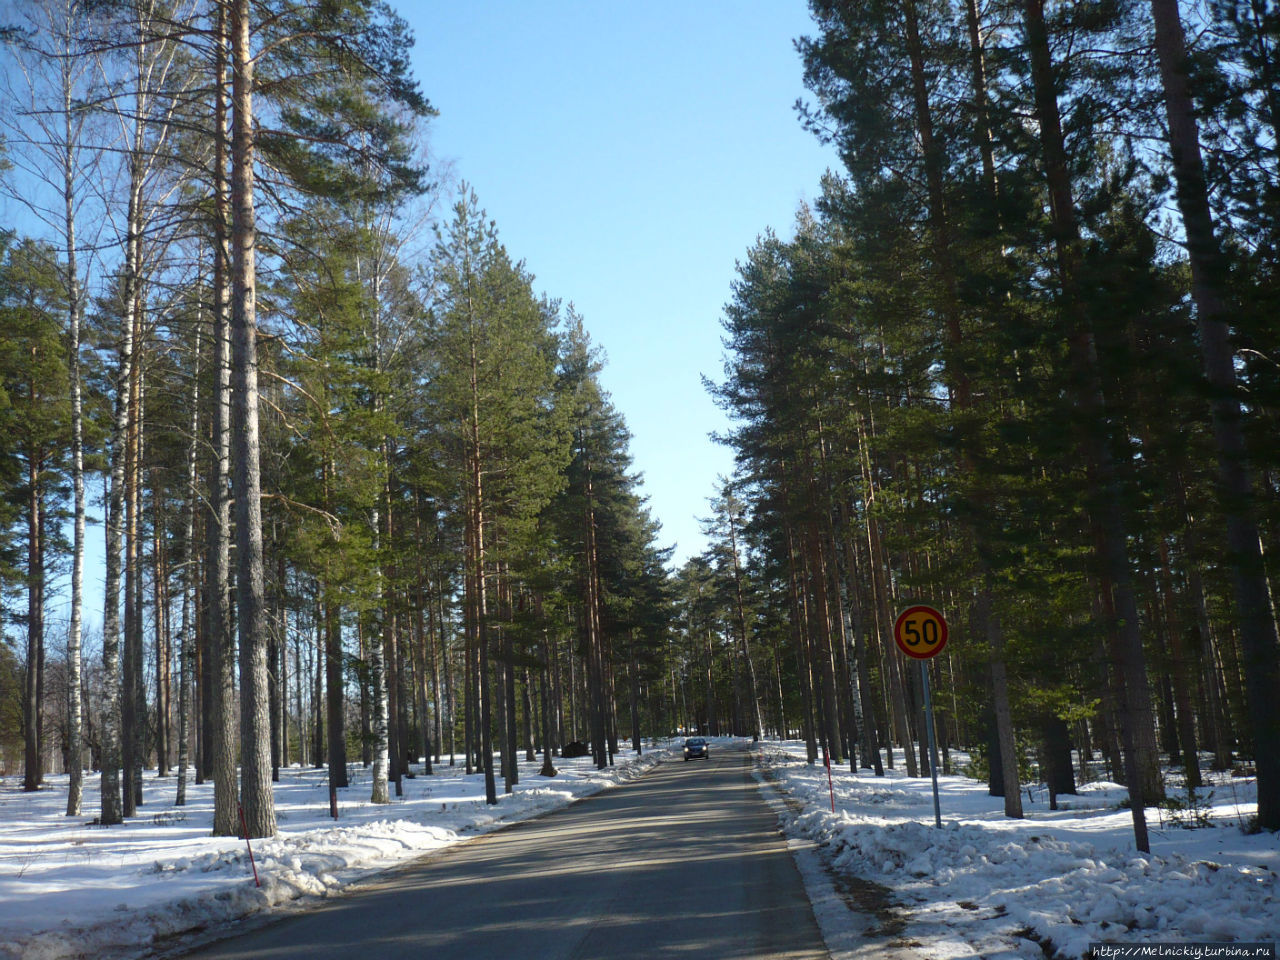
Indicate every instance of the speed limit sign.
{"type": "Point", "coordinates": [920, 632]}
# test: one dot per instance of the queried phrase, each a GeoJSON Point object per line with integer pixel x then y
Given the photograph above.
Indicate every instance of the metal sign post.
{"type": "Point", "coordinates": [933, 746]}
{"type": "Point", "coordinates": [921, 633]}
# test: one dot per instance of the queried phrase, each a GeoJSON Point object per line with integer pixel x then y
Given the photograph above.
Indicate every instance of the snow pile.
{"type": "Point", "coordinates": [982, 885]}
{"type": "Point", "coordinates": [69, 889]}
{"type": "Point", "coordinates": [1050, 883]}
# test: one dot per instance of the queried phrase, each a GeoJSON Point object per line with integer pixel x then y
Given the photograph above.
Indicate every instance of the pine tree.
{"type": "Point", "coordinates": [38, 427]}
{"type": "Point", "coordinates": [1235, 480]}
{"type": "Point", "coordinates": [364, 43]}
{"type": "Point", "coordinates": [492, 397]}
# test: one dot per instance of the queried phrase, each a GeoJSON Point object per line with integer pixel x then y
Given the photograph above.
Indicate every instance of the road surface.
{"type": "Point", "coordinates": [685, 862]}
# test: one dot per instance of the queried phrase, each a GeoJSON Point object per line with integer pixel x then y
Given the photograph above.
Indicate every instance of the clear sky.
{"type": "Point", "coordinates": [630, 154]}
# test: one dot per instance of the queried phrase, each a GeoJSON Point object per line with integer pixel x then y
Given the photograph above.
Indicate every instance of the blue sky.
{"type": "Point", "coordinates": [630, 154]}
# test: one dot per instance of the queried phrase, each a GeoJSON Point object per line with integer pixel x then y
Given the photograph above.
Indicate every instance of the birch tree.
{"type": "Point", "coordinates": [51, 125]}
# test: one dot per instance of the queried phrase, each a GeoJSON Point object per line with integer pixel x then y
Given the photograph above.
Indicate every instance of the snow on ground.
{"type": "Point", "coordinates": [69, 889]}
{"type": "Point", "coordinates": [1050, 884]}
{"type": "Point", "coordinates": [983, 885]}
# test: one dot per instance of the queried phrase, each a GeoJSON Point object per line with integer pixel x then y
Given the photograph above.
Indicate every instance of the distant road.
{"type": "Point", "coordinates": [684, 862]}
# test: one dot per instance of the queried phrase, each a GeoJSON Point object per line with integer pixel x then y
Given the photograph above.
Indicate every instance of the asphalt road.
{"type": "Point", "coordinates": [686, 862]}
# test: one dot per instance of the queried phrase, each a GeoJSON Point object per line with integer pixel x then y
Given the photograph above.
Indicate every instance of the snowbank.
{"type": "Point", "coordinates": [69, 889]}
{"type": "Point", "coordinates": [1050, 884]}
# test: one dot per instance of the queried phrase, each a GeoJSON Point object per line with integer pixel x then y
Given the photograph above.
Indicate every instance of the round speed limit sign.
{"type": "Point", "coordinates": [920, 632]}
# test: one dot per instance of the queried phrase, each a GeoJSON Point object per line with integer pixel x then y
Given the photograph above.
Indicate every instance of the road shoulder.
{"type": "Point", "coordinates": [857, 918]}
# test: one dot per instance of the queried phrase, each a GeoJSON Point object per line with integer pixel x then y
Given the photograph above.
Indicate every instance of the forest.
{"type": "Point", "coordinates": [1018, 361]}
{"type": "Point", "coordinates": [360, 497]}
{"type": "Point", "coordinates": [358, 493]}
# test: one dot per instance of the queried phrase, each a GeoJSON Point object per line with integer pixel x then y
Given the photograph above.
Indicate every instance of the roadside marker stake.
{"type": "Point", "coordinates": [826, 754]}
{"type": "Point", "coordinates": [245, 827]}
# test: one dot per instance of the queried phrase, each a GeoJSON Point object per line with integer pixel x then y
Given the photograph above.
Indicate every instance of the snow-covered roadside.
{"type": "Point", "coordinates": [987, 886]}
{"type": "Point", "coordinates": [72, 890]}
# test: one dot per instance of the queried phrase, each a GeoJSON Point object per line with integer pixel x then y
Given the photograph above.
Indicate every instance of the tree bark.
{"type": "Point", "coordinates": [1005, 740]}
{"type": "Point", "coordinates": [75, 715]}
{"type": "Point", "coordinates": [1235, 476]}
{"type": "Point", "coordinates": [251, 614]}
{"type": "Point", "coordinates": [186, 646]}
{"type": "Point", "coordinates": [221, 740]}
{"type": "Point", "coordinates": [334, 677]}
{"type": "Point", "coordinates": [510, 747]}
{"type": "Point", "coordinates": [483, 680]}
{"type": "Point", "coordinates": [548, 767]}
{"type": "Point", "coordinates": [33, 689]}
{"type": "Point", "coordinates": [1106, 513]}
{"type": "Point", "coordinates": [112, 808]}
{"type": "Point", "coordinates": [894, 684]}
{"type": "Point", "coordinates": [132, 718]}
{"type": "Point", "coordinates": [160, 607]}
{"type": "Point", "coordinates": [743, 638]}
{"type": "Point", "coordinates": [381, 747]}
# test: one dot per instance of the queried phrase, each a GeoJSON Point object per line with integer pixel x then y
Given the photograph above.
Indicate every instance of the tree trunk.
{"type": "Point", "coordinates": [510, 758]}
{"type": "Point", "coordinates": [752, 688]}
{"type": "Point", "coordinates": [469, 726]}
{"type": "Point", "coordinates": [1002, 714]}
{"type": "Point", "coordinates": [981, 109]}
{"type": "Point", "coordinates": [483, 678]}
{"type": "Point", "coordinates": [633, 696]}
{"type": "Point", "coordinates": [860, 743]}
{"type": "Point", "coordinates": [426, 662]}
{"type": "Point", "coordinates": [894, 685]}
{"type": "Point", "coordinates": [75, 715]}
{"type": "Point", "coordinates": [548, 768]}
{"type": "Point", "coordinates": [381, 745]}
{"type": "Point", "coordinates": [1180, 672]}
{"type": "Point", "coordinates": [133, 718]}
{"type": "Point", "coordinates": [320, 704]}
{"type": "Point", "coordinates": [1235, 478]}
{"type": "Point", "coordinates": [112, 811]}
{"type": "Point", "coordinates": [33, 689]}
{"type": "Point", "coordinates": [1106, 512]}
{"type": "Point", "coordinates": [163, 631]}
{"type": "Point", "coordinates": [222, 733]}
{"type": "Point", "coordinates": [251, 614]}
{"type": "Point", "coordinates": [594, 642]}
{"type": "Point", "coordinates": [451, 700]}
{"type": "Point", "coordinates": [378, 679]}
{"type": "Point", "coordinates": [1058, 775]}
{"type": "Point", "coordinates": [186, 647]}
{"type": "Point", "coordinates": [820, 626]}
{"type": "Point", "coordinates": [278, 662]}
{"type": "Point", "coordinates": [335, 721]}
{"type": "Point", "coordinates": [800, 632]}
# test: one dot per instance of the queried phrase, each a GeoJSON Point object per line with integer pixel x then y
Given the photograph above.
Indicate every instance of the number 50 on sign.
{"type": "Point", "coordinates": [920, 632]}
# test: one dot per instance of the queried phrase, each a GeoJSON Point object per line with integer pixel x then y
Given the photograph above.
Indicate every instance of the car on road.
{"type": "Point", "coordinates": [695, 748]}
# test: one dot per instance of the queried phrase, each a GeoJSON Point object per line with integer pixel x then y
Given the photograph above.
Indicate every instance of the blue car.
{"type": "Point", "coordinates": [695, 748]}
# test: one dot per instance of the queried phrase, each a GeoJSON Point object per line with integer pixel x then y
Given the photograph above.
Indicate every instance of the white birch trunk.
{"type": "Point", "coordinates": [75, 718]}
{"type": "Point", "coordinates": [186, 648]}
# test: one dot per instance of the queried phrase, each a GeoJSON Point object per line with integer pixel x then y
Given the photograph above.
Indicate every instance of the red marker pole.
{"type": "Point", "coordinates": [245, 827]}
